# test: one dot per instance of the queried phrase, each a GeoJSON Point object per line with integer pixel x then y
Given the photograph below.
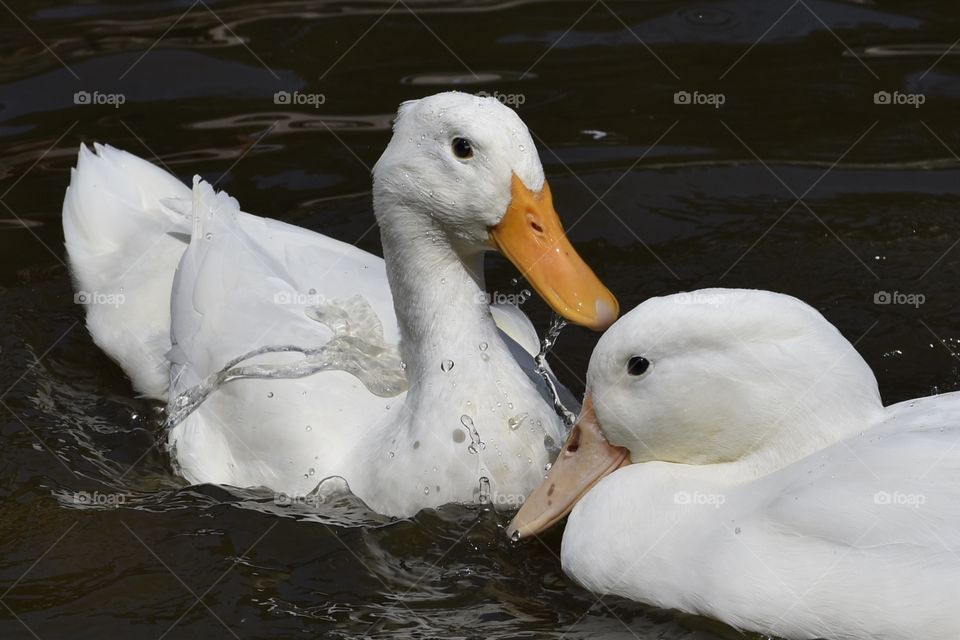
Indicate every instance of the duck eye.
{"type": "Point", "coordinates": [637, 365]}
{"type": "Point", "coordinates": [462, 148]}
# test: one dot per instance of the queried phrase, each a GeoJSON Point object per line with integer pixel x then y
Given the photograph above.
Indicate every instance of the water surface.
{"type": "Point", "coordinates": [102, 540]}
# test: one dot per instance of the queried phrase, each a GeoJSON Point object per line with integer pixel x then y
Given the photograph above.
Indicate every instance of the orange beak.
{"type": "Point", "coordinates": [531, 237]}
{"type": "Point", "coordinates": [585, 459]}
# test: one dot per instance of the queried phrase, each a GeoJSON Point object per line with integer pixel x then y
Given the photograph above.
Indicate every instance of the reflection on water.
{"type": "Point", "coordinates": [658, 195]}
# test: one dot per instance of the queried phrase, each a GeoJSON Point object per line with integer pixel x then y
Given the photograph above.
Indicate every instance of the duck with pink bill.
{"type": "Point", "coordinates": [733, 459]}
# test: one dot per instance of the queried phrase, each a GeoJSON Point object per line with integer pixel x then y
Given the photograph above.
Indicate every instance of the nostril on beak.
{"type": "Point", "coordinates": [573, 444]}
{"type": "Point", "coordinates": [534, 223]}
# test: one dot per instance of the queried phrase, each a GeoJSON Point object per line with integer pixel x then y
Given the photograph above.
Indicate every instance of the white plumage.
{"type": "Point", "coordinates": [244, 282]}
{"type": "Point", "coordinates": [770, 488]}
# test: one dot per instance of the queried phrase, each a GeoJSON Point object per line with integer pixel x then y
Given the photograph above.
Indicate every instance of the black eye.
{"type": "Point", "coordinates": [462, 148]}
{"type": "Point", "coordinates": [637, 365]}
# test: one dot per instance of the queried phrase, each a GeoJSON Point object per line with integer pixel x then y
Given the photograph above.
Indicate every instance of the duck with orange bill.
{"type": "Point", "coordinates": [733, 459]}
{"type": "Point", "coordinates": [320, 361]}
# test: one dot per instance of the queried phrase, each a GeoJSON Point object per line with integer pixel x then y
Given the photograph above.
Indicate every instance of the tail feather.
{"type": "Point", "coordinates": [124, 236]}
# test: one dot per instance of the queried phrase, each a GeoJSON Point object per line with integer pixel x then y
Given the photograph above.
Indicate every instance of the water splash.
{"type": "Point", "coordinates": [357, 347]}
{"type": "Point", "coordinates": [483, 490]}
{"type": "Point", "coordinates": [549, 341]}
{"type": "Point", "coordinates": [475, 443]}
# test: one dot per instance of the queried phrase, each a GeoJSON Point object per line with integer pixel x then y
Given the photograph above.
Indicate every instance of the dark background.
{"type": "Point", "coordinates": [692, 196]}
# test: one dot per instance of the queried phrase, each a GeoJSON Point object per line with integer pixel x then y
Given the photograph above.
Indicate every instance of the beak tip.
{"type": "Point", "coordinates": [606, 313]}
{"type": "Point", "coordinates": [514, 532]}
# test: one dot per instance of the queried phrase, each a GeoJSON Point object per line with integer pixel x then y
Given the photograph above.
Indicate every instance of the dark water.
{"type": "Point", "coordinates": [692, 196]}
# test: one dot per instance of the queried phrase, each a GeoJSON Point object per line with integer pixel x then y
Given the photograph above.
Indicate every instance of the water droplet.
{"type": "Point", "coordinates": [483, 346]}
{"type": "Point", "coordinates": [548, 466]}
{"type": "Point", "coordinates": [270, 394]}
{"type": "Point", "coordinates": [515, 537]}
{"type": "Point", "coordinates": [484, 490]}
{"type": "Point", "coordinates": [209, 236]}
{"type": "Point", "coordinates": [403, 365]}
{"type": "Point", "coordinates": [515, 422]}
{"type": "Point", "coordinates": [426, 491]}
{"type": "Point", "coordinates": [514, 281]}
{"type": "Point", "coordinates": [737, 531]}
{"type": "Point", "coordinates": [312, 471]}
{"type": "Point", "coordinates": [484, 357]}
{"type": "Point", "coordinates": [446, 365]}
{"type": "Point", "coordinates": [521, 147]}
{"type": "Point", "coordinates": [309, 428]}
{"type": "Point", "coordinates": [392, 454]}
{"type": "Point", "coordinates": [475, 443]}
{"type": "Point", "coordinates": [443, 280]}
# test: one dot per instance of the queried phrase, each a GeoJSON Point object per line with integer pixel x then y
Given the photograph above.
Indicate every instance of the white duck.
{"type": "Point", "coordinates": [769, 487]}
{"type": "Point", "coordinates": [460, 176]}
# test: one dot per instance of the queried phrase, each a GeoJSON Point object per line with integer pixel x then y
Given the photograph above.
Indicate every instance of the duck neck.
{"type": "Point", "coordinates": [438, 294]}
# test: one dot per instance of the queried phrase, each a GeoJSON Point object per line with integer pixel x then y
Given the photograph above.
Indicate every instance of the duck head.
{"type": "Point", "coordinates": [724, 377]}
{"type": "Point", "coordinates": [467, 167]}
